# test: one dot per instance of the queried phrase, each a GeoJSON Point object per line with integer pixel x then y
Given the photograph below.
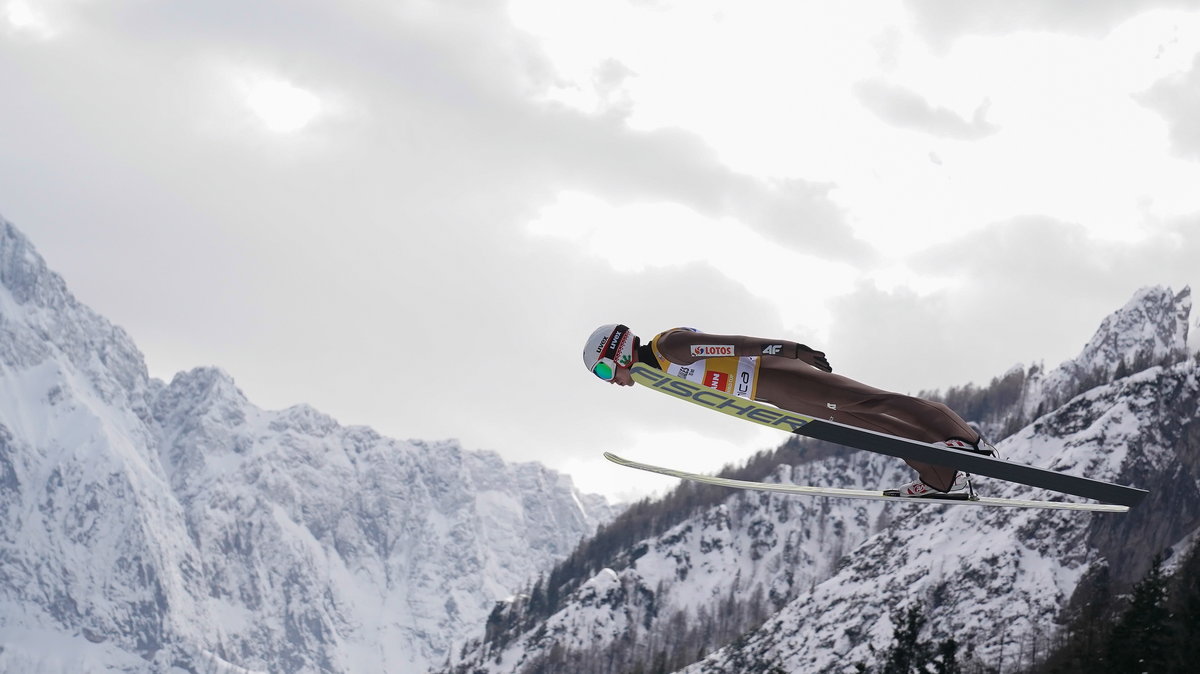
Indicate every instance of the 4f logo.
{"type": "Point", "coordinates": [772, 349]}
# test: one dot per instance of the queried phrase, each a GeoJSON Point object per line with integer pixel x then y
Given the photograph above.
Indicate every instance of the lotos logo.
{"type": "Point", "coordinates": [709, 351]}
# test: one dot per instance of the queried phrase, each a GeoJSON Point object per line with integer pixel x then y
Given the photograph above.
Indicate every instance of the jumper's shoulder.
{"type": "Point", "coordinates": [675, 344]}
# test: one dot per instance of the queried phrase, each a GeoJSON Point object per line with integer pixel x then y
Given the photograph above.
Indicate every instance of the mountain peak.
{"type": "Point", "coordinates": [23, 271]}
{"type": "Point", "coordinates": [1152, 326]}
{"type": "Point", "coordinates": [202, 392]}
{"type": "Point", "coordinates": [306, 419]}
{"type": "Point", "coordinates": [1151, 329]}
{"type": "Point", "coordinates": [43, 320]}
{"type": "Point", "coordinates": [207, 382]}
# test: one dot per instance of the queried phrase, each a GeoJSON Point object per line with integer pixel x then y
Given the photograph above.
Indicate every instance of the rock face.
{"type": "Point", "coordinates": [154, 527]}
{"type": "Point", "coordinates": [831, 578]}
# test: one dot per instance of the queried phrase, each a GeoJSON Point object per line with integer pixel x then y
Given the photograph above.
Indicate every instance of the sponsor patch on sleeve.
{"type": "Point", "coordinates": [711, 350]}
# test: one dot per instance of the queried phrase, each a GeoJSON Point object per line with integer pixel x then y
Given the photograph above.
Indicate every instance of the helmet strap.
{"type": "Point", "coordinates": [620, 347]}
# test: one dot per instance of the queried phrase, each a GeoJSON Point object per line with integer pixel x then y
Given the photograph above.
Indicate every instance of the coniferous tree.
{"type": "Point", "coordinates": [1084, 638]}
{"type": "Point", "coordinates": [1140, 638]}
{"type": "Point", "coordinates": [947, 658]}
{"type": "Point", "coordinates": [1185, 607]}
{"type": "Point", "coordinates": [1157, 631]}
{"type": "Point", "coordinates": [908, 653]}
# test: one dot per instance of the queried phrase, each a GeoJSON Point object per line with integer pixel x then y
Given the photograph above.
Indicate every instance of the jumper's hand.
{"type": "Point", "coordinates": [813, 357]}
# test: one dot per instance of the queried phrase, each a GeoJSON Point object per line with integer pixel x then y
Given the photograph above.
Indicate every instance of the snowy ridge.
{"type": "Point", "coordinates": [390, 539]}
{"type": "Point", "coordinates": [836, 575]}
{"type": "Point", "coordinates": [152, 527]}
{"type": "Point", "coordinates": [990, 578]}
{"type": "Point", "coordinates": [1151, 328]}
{"type": "Point", "coordinates": [763, 545]}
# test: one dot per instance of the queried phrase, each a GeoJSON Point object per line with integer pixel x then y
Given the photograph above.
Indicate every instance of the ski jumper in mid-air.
{"type": "Point", "coordinates": [793, 377]}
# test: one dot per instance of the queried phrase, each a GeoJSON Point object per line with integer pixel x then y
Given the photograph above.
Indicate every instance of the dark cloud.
{"type": "Point", "coordinates": [600, 155]}
{"type": "Point", "coordinates": [1027, 290]}
{"type": "Point", "coordinates": [1177, 99]}
{"type": "Point", "coordinates": [906, 109]}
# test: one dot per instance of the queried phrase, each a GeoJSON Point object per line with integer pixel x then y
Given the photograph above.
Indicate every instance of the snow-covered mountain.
{"type": "Point", "coordinates": [822, 583]}
{"type": "Point", "coordinates": [1151, 328]}
{"type": "Point", "coordinates": [153, 527]}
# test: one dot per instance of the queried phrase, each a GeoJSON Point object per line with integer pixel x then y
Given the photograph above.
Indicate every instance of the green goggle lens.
{"type": "Point", "coordinates": [604, 370]}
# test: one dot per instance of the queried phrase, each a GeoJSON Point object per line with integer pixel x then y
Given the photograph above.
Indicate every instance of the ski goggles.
{"type": "Point", "coordinates": [606, 367]}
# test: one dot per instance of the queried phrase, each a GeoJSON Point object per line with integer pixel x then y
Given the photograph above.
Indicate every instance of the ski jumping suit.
{"type": "Point", "coordinates": [773, 371]}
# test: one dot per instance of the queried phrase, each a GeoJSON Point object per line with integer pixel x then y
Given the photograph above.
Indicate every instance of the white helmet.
{"type": "Point", "coordinates": [608, 347]}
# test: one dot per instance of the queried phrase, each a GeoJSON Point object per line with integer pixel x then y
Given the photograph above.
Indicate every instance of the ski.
{"type": "Point", "coordinates": [863, 494]}
{"type": "Point", "coordinates": [881, 443]}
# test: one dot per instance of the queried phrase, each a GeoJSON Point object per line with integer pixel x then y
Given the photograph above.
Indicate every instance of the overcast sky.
{"type": "Point", "coordinates": [411, 214]}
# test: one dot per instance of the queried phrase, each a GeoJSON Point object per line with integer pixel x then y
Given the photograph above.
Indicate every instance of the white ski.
{"type": "Point", "coordinates": [863, 494]}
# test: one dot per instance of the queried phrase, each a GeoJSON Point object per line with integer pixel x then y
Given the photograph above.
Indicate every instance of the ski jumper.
{"type": "Point", "coordinates": [769, 371]}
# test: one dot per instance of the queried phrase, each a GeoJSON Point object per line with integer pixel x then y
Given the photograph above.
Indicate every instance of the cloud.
{"type": "Point", "coordinates": [1177, 99]}
{"type": "Point", "coordinates": [1021, 291]}
{"type": "Point", "coordinates": [601, 156]}
{"type": "Point", "coordinates": [437, 119]}
{"type": "Point", "coordinates": [24, 20]}
{"type": "Point", "coordinates": [906, 109]}
{"type": "Point", "coordinates": [376, 262]}
{"type": "Point", "coordinates": [944, 20]}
